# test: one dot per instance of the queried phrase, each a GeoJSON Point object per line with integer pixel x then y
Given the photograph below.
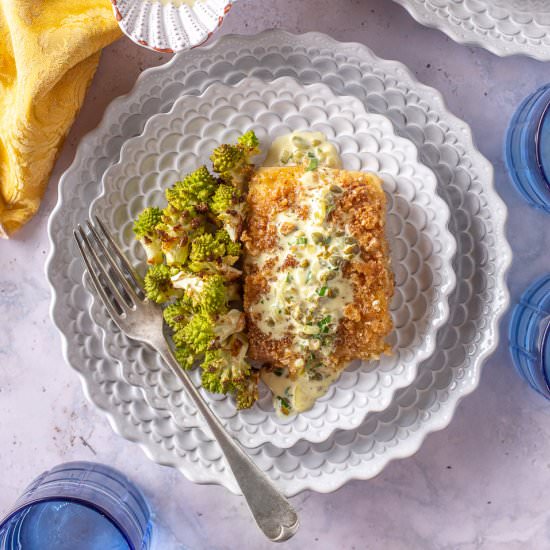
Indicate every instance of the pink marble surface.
{"type": "Point", "coordinates": [480, 484]}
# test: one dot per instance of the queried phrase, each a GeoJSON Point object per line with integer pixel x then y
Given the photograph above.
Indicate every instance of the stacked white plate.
{"type": "Point", "coordinates": [504, 27]}
{"type": "Point", "coordinates": [376, 412]}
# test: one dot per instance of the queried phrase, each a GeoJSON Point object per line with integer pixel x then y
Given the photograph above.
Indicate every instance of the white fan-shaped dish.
{"type": "Point", "coordinates": [176, 143]}
{"type": "Point", "coordinates": [170, 25]}
{"type": "Point", "coordinates": [504, 27]}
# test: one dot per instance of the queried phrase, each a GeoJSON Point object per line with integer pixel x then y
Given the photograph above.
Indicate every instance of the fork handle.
{"type": "Point", "coordinates": [273, 513]}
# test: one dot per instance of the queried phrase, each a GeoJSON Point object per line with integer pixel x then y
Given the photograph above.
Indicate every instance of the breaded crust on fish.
{"type": "Point", "coordinates": [361, 210]}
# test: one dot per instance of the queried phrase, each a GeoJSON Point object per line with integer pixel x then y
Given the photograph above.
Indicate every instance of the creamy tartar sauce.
{"type": "Point", "coordinates": [306, 297]}
{"type": "Point", "coordinates": [303, 148]}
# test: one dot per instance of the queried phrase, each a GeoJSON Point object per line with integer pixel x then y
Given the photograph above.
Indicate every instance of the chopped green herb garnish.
{"type": "Point", "coordinates": [313, 163]}
{"type": "Point", "coordinates": [308, 276]}
{"type": "Point", "coordinates": [326, 320]}
{"type": "Point", "coordinates": [288, 278]}
{"type": "Point", "coordinates": [322, 291]}
{"type": "Point", "coordinates": [279, 371]}
{"type": "Point", "coordinates": [301, 240]}
{"type": "Point", "coordinates": [285, 404]}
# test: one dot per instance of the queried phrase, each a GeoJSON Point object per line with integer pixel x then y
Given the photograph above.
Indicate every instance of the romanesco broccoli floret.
{"type": "Point", "coordinates": [232, 248]}
{"type": "Point", "coordinates": [206, 248]}
{"type": "Point", "coordinates": [250, 143]}
{"type": "Point", "coordinates": [178, 313]}
{"type": "Point", "coordinates": [213, 298]}
{"type": "Point", "coordinates": [225, 198]}
{"type": "Point", "coordinates": [227, 158]}
{"type": "Point", "coordinates": [228, 207]}
{"type": "Point", "coordinates": [178, 200]}
{"type": "Point", "coordinates": [176, 230]}
{"type": "Point", "coordinates": [145, 231]}
{"type": "Point", "coordinates": [232, 162]}
{"type": "Point", "coordinates": [158, 284]}
{"type": "Point", "coordinates": [207, 293]}
{"type": "Point", "coordinates": [198, 334]}
{"type": "Point", "coordinates": [246, 392]}
{"type": "Point", "coordinates": [225, 370]}
{"type": "Point", "coordinates": [184, 355]}
{"type": "Point", "coordinates": [195, 189]}
{"type": "Point", "coordinates": [146, 222]}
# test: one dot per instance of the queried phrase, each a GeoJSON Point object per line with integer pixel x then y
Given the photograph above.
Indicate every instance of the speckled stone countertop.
{"type": "Point", "coordinates": [480, 484]}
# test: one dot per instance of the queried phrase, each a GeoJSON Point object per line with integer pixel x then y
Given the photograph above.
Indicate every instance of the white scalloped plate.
{"type": "Point", "coordinates": [170, 25]}
{"type": "Point", "coordinates": [504, 27]}
{"type": "Point", "coordinates": [465, 182]}
{"type": "Point", "coordinates": [176, 143]}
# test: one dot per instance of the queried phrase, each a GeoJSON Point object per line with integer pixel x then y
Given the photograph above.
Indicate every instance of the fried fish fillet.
{"type": "Point", "coordinates": [302, 228]}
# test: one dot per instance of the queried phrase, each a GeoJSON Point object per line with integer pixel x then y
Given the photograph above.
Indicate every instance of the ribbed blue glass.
{"type": "Point", "coordinates": [530, 336]}
{"type": "Point", "coordinates": [78, 506]}
{"type": "Point", "coordinates": [527, 149]}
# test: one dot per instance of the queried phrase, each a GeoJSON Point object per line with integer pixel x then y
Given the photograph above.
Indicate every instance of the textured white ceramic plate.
{"type": "Point", "coordinates": [504, 27]}
{"type": "Point", "coordinates": [170, 25]}
{"type": "Point", "coordinates": [176, 143]}
{"type": "Point", "coordinates": [465, 182]}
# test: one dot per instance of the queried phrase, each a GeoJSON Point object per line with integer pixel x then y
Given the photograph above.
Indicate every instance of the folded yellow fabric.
{"type": "Point", "coordinates": [49, 51]}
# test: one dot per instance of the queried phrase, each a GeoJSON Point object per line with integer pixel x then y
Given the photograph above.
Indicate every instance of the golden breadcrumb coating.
{"type": "Point", "coordinates": [361, 210]}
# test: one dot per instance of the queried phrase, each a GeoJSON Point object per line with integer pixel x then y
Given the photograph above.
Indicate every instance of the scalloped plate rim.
{"type": "Point", "coordinates": [446, 288]}
{"type": "Point", "coordinates": [467, 39]}
{"type": "Point", "coordinates": [332, 482]}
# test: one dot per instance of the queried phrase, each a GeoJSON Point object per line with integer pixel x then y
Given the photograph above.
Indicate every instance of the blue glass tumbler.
{"type": "Point", "coordinates": [527, 149]}
{"type": "Point", "coordinates": [78, 506]}
{"type": "Point", "coordinates": [530, 336]}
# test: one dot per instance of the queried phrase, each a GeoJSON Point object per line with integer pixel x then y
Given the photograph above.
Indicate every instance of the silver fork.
{"type": "Point", "coordinates": [118, 286]}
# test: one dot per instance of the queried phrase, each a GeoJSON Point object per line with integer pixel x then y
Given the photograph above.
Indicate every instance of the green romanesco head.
{"type": "Point", "coordinates": [158, 284]}
{"type": "Point", "coordinates": [214, 296]}
{"type": "Point", "coordinates": [147, 221]}
{"type": "Point", "coordinates": [184, 355]}
{"type": "Point", "coordinates": [226, 158]}
{"type": "Point", "coordinates": [246, 392]}
{"type": "Point", "coordinates": [146, 231]}
{"type": "Point", "coordinates": [211, 373]}
{"type": "Point", "coordinates": [179, 199]}
{"type": "Point", "coordinates": [196, 188]}
{"type": "Point", "coordinates": [217, 371]}
{"type": "Point", "coordinates": [226, 370]}
{"type": "Point", "coordinates": [206, 248]}
{"type": "Point", "coordinates": [197, 334]}
{"type": "Point", "coordinates": [177, 314]}
{"type": "Point", "coordinates": [225, 198]}
{"type": "Point", "coordinates": [232, 248]}
{"type": "Point", "coordinates": [250, 143]}
{"type": "Point", "coordinates": [201, 184]}
{"type": "Point", "coordinates": [176, 230]}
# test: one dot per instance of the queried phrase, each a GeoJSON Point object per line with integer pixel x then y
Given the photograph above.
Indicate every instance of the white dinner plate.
{"type": "Point", "coordinates": [465, 182]}
{"type": "Point", "coordinates": [504, 27]}
{"type": "Point", "coordinates": [178, 142]}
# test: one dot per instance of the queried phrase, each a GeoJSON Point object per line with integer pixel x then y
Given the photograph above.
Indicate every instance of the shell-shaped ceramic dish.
{"type": "Point", "coordinates": [176, 143]}
{"type": "Point", "coordinates": [465, 182]}
{"type": "Point", "coordinates": [504, 27]}
{"type": "Point", "coordinates": [170, 25]}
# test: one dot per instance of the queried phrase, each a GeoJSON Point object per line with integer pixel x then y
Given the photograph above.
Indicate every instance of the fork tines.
{"type": "Point", "coordinates": [112, 275]}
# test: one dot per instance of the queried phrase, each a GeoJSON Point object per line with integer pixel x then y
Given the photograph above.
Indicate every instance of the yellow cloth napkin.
{"type": "Point", "coordinates": [49, 51]}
